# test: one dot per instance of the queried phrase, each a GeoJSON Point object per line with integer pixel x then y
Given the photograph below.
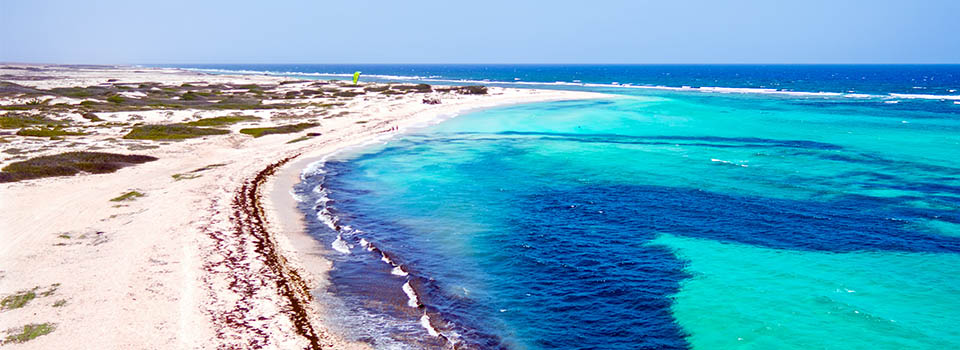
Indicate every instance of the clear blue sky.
{"type": "Point", "coordinates": [484, 31]}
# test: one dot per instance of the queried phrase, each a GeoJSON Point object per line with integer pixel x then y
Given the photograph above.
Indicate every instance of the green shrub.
{"type": "Point", "coordinates": [29, 332]}
{"type": "Point", "coordinates": [170, 132]}
{"type": "Point", "coordinates": [70, 163]}
{"type": "Point", "coordinates": [18, 300]}
{"type": "Point", "coordinates": [218, 121]}
{"type": "Point", "coordinates": [129, 196]}
{"type": "Point", "coordinates": [91, 117]}
{"type": "Point", "coordinates": [47, 132]}
{"type": "Point", "coordinates": [473, 90]}
{"type": "Point", "coordinates": [347, 93]}
{"type": "Point", "coordinates": [117, 99]}
{"type": "Point", "coordinates": [284, 129]}
{"type": "Point", "coordinates": [408, 88]}
{"type": "Point", "coordinates": [189, 96]}
{"type": "Point", "coordinates": [466, 90]}
{"type": "Point", "coordinates": [18, 120]}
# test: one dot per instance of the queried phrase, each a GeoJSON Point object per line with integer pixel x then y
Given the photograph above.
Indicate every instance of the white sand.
{"type": "Point", "coordinates": [151, 273]}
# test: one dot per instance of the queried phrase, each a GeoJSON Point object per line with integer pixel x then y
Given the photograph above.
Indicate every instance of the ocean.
{"type": "Point", "coordinates": [698, 207]}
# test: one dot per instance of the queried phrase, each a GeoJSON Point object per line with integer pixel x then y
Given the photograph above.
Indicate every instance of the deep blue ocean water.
{"type": "Point", "coordinates": [858, 79]}
{"type": "Point", "coordinates": [824, 216]}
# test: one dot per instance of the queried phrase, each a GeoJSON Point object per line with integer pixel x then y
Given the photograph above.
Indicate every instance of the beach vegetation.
{"type": "Point", "coordinates": [220, 121]}
{"type": "Point", "coordinates": [189, 96]}
{"type": "Point", "coordinates": [374, 88]}
{"type": "Point", "coordinates": [166, 105]}
{"type": "Point", "coordinates": [50, 290]}
{"type": "Point", "coordinates": [15, 108]}
{"type": "Point", "coordinates": [68, 164]}
{"type": "Point", "coordinates": [329, 105]}
{"type": "Point", "coordinates": [18, 300]}
{"type": "Point", "coordinates": [60, 303]}
{"type": "Point", "coordinates": [348, 93]}
{"type": "Point", "coordinates": [80, 92]}
{"type": "Point", "coordinates": [129, 196]}
{"type": "Point", "coordinates": [29, 332]}
{"type": "Point", "coordinates": [185, 176]}
{"type": "Point", "coordinates": [473, 90]}
{"type": "Point", "coordinates": [20, 120]}
{"type": "Point", "coordinates": [284, 129]}
{"type": "Point", "coordinates": [208, 167]}
{"type": "Point", "coordinates": [141, 147]}
{"type": "Point", "coordinates": [37, 102]}
{"type": "Point", "coordinates": [15, 151]}
{"type": "Point", "coordinates": [236, 103]}
{"type": "Point", "coordinates": [466, 90]}
{"type": "Point", "coordinates": [301, 138]}
{"type": "Point", "coordinates": [48, 132]}
{"type": "Point", "coordinates": [91, 117]}
{"type": "Point", "coordinates": [170, 132]}
{"type": "Point", "coordinates": [412, 87]}
{"type": "Point", "coordinates": [117, 99]}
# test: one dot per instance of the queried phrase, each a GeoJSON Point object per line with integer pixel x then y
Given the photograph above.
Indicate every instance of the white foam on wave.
{"type": "Point", "coordinates": [727, 162]}
{"type": "Point", "coordinates": [891, 102]}
{"type": "Point", "coordinates": [297, 197]}
{"type": "Point", "coordinates": [366, 244]}
{"type": "Point", "coordinates": [341, 245]}
{"type": "Point", "coordinates": [412, 299]}
{"type": "Point", "coordinates": [322, 195]}
{"type": "Point", "coordinates": [425, 322]}
{"type": "Point", "coordinates": [927, 96]}
{"type": "Point", "coordinates": [398, 271]}
{"type": "Point", "coordinates": [315, 168]}
{"type": "Point", "coordinates": [327, 218]}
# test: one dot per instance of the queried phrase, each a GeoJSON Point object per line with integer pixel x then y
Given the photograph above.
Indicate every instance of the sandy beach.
{"type": "Point", "coordinates": [203, 247]}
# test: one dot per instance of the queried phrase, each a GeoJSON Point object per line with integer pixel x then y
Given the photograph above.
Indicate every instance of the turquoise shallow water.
{"type": "Point", "coordinates": [653, 220]}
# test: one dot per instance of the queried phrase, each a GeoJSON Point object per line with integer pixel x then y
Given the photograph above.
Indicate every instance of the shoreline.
{"type": "Point", "coordinates": [175, 266]}
{"type": "Point", "coordinates": [282, 209]}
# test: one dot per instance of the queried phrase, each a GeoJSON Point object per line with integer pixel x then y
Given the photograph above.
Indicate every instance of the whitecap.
{"type": "Point", "coordinates": [412, 299]}
{"type": "Point", "coordinates": [425, 322]}
{"type": "Point", "coordinates": [340, 245]}
{"type": "Point", "coordinates": [398, 271]}
{"type": "Point", "coordinates": [927, 96]}
{"type": "Point", "coordinates": [366, 244]}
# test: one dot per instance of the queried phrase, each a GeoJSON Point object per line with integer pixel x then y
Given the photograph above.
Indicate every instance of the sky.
{"type": "Point", "coordinates": [485, 31]}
